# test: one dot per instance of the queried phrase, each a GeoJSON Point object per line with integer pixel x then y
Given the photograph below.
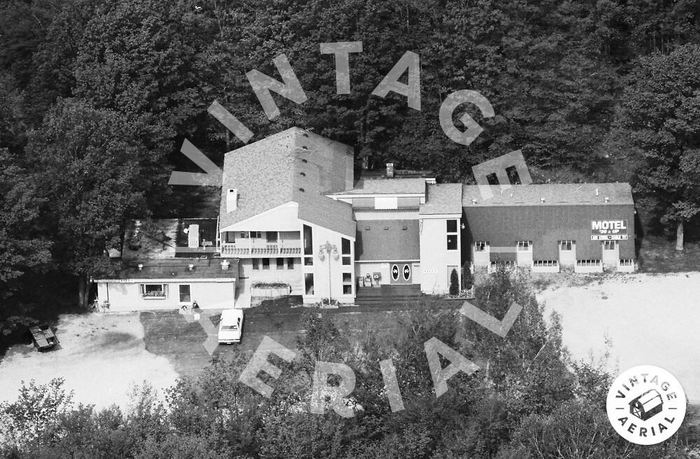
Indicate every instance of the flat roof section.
{"type": "Point", "coordinates": [388, 186]}
{"type": "Point", "coordinates": [550, 194]}
{"type": "Point", "coordinates": [177, 269]}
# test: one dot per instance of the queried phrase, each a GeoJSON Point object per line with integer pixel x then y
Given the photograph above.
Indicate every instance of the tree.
{"type": "Point", "coordinates": [89, 176]}
{"type": "Point", "coordinates": [661, 113]}
{"type": "Point", "coordinates": [20, 246]}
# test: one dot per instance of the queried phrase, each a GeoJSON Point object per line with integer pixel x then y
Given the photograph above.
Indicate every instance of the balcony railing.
{"type": "Point", "coordinates": [263, 250]}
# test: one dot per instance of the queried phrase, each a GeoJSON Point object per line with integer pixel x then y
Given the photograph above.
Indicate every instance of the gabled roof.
{"type": "Point", "coordinates": [445, 198]}
{"type": "Point", "coordinates": [553, 194]}
{"type": "Point", "coordinates": [292, 166]}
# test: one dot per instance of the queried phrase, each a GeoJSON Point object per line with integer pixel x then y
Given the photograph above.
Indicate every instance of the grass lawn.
{"type": "Point", "coordinates": [659, 255]}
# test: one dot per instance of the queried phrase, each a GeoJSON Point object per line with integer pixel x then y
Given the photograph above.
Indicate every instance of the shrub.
{"type": "Point", "coordinates": [454, 283]}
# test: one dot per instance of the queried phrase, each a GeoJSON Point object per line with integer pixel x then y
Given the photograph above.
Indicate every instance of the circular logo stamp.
{"type": "Point", "coordinates": [646, 405]}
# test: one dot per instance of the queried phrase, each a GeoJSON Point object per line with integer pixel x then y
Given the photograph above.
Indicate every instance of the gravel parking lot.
{"type": "Point", "coordinates": [100, 358]}
{"type": "Point", "coordinates": [649, 319]}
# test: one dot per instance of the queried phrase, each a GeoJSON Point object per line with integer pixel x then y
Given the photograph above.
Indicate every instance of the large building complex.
{"type": "Point", "coordinates": [293, 214]}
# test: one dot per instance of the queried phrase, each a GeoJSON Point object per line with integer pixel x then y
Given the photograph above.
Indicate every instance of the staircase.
{"type": "Point", "coordinates": [390, 296]}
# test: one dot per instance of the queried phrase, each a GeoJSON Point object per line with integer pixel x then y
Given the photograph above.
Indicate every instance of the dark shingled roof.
{"type": "Point", "coordinates": [293, 165]}
{"type": "Point", "coordinates": [545, 225]}
{"type": "Point", "coordinates": [393, 240]}
{"type": "Point", "coordinates": [176, 268]}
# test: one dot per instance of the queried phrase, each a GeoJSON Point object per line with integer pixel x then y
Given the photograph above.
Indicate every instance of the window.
{"type": "Point", "coordinates": [345, 249]}
{"type": "Point", "coordinates": [271, 236]}
{"type": "Point", "coordinates": [451, 242]}
{"type": "Point", "coordinates": [280, 263]}
{"type": "Point", "coordinates": [308, 246]}
{"type": "Point", "coordinates": [609, 245]}
{"type": "Point", "coordinates": [309, 283]}
{"type": "Point", "coordinates": [451, 226]}
{"type": "Point", "coordinates": [626, 262]}
{"type": "Point", "coordinates": [347, 283]}
{"type": "Point", "coordinates": [290, 263]}
{"type": "Point", "coordinates": [153, 290]}
{"type": "Point", "coordinates": [256, 263]}
{"type": "Point", "coordinates": [229, 236]}
{"type": "Point", "coordinates": [255, 234]}
{"type": "Point", "coordinates": [589, 263]}
{"type": "Point", "coordinates": [545, 263]}
{"type": "Point", "coordinates": [386, 203]}
{"type": "Point", "coordinates": [524, 246]}
{"type": "Point", "coordinates": [185, 296]}
{"type": "Point", "coordinates": [266, 263]}
{"type": "Point", "coordinates": [566, 245]}
{"type": "Point", "coordinates": [480, 246]}
{"type": "Point", "coordinates": [452, 235]}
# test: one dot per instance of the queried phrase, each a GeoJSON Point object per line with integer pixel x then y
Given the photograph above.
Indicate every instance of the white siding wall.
{"type": "Point", "coordinates": [434, 256]}
{"type": "Point", "coordinates": [320, 268]}
{"type": "Point", "coordinates": [124, 296]}
{"type": "Point", "coordinates": [364, 268]}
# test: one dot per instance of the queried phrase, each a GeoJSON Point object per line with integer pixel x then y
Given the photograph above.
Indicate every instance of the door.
{"type": "Point", "coordinates": [611, 254]}
{"type": "Point", "coordinates": [567, 253]}
{"type": "Point", "coordinates": [401, 273]}
{"type": "Point", "coordinates": [185, 296]}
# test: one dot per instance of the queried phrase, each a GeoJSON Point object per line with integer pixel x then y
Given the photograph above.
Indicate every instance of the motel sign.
{"type": "Point", "coordinates": [609, 230]}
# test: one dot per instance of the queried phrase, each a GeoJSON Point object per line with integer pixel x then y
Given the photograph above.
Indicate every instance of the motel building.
{"type": "Point", "coordinates": [295, 220]}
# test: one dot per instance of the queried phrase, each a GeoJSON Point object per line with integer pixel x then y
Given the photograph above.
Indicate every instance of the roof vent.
{"type": "Point", "coordinates": [542, 200]}
{"type": "Point", "coordinates": [190, 267]}
{"type": "Point", "coordinates": [232, 200]}
{"type": "Point", "coordinates": [473, 201]}
{"type": "Point", "coordinates": [390, 170]}
{"type": "Point", "coordinates": [607, 199]}
{"type": "Point", "coordinates": [140, 266]}
{"type": "Point", "coordinates": [597, 192]}
{"type": "Point", "coordinates": [301, 189]}
{"type": "Point", "coordinates": [225, 265]}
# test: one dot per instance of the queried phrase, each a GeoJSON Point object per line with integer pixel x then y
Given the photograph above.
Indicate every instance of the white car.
{"type": "Point", "coordinates": [231, 326]}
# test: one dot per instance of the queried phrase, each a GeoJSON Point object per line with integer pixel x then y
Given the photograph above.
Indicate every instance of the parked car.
{"type": "Point", "coordinates": [43, 337]}
{"type": "Point", "coordinates": [231, 326]}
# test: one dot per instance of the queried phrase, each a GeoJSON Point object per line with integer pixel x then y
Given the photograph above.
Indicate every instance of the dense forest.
{"type": "Point", "coordinates": [96, 98]}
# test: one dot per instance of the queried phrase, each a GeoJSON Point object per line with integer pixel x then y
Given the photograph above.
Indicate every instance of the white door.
{"type": "Point", "coordinates": [611, 254]}
{"type": "Point", "coordinates": [567, 253]}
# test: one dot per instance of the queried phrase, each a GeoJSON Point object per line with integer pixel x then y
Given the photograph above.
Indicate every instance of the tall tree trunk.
{"type": "Point", "coordinates": [679, 236]}
{"type": "Point", "coordinates": [83, 291]}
